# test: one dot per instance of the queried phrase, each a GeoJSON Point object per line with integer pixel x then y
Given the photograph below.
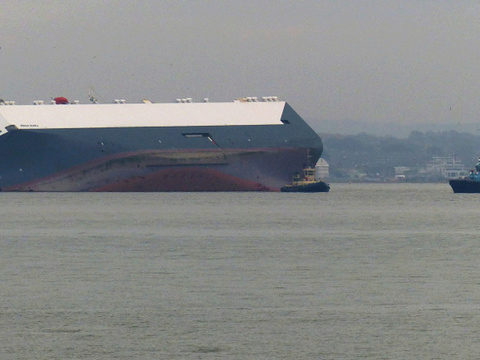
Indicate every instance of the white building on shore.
{"type": "Point", "coordinates": [321, 169]}
{"type": "Point", "coordinates": [449, 167]}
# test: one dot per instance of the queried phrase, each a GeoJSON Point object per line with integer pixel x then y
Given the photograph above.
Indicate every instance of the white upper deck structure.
{"type": "Point", "coordinates": [147, 114]}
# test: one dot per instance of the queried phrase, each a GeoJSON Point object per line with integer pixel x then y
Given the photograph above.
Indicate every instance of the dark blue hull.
{"type": "Point", "coordinates": [318, 186]}
{"type": "Point", "coordinates": [465, 186]}
{"type": "Point", "coordinates": [203, 158]}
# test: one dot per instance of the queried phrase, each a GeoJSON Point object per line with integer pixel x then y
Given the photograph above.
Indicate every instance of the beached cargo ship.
{"type": "Point", "coordinates": [244, 145]}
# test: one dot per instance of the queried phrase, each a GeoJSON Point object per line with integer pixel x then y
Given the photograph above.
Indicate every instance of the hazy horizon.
{"type": "Point", "coordinates": [387, 62]}
{"type": "Point", "coordinates": [355, 127]}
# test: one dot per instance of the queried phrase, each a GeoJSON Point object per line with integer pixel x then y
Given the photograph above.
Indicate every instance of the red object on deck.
{"type": "Point", "coordinates": [60, 100]}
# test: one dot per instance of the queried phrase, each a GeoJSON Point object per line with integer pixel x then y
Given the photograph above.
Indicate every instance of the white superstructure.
{"type": "Point", "coordinates": [141, 115]}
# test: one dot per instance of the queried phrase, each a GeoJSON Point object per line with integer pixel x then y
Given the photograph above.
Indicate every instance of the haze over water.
{"type": "Point", "coordinates": [376, 271]}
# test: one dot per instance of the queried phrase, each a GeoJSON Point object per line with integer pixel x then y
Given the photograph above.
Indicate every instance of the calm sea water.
{"type": "Point", "coordinates": [375, 271]}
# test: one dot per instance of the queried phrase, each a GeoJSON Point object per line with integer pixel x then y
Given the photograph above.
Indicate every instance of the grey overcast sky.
{"type": "Point", "coordinates": [401, 61]}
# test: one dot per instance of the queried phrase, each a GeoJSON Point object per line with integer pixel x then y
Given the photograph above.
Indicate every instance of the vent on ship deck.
{"type": "Point", "coordinates": [196, 135]}
{"type": "Point", "coordinates": [200, 135]}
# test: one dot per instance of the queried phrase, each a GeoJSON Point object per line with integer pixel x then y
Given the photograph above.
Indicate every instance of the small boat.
{"type": "Point", "coordinates": [468, 184]}
{"type": "Point", "coordinates": [465, 185]}
{"type": "Point", "coordinates": [307, 183]}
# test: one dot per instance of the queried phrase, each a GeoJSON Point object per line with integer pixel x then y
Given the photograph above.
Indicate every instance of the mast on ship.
{"type": "Point", "coordinates": [92, 97]}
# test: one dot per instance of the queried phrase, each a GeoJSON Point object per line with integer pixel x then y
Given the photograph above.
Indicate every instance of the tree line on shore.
{"type": "Point", "coordinates": [377, 156]}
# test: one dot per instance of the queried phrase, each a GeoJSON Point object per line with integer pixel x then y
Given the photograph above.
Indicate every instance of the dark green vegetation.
{"type": "Point", "coordinates": [371, 157]}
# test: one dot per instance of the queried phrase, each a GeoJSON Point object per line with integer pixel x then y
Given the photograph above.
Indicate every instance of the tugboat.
{"type": "Point", "coordinates": [307, 183]}
{"type": "Point", "coordinates": [470, 184]}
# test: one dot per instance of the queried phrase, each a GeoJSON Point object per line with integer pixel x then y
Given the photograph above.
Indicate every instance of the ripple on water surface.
{"type": "Point", "coordinates": [366, 271]}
